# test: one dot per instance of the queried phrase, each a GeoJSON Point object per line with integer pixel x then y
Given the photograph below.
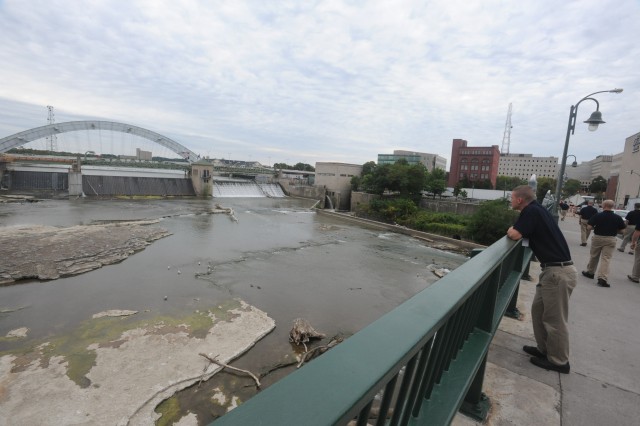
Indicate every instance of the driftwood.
{"type": "Point", "coordinates": [302, 332]}
{"type": "Point", "coordinates": [215, 361]}
{"type": "Point", "coordinates": [317, 351]}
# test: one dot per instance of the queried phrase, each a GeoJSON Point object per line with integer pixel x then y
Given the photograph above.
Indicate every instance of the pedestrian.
{"type": "Point", "coordinates": [563, 209]}
{"type": "Point", "coordinates": [632, 219]}
{"type": "Point", "coordinates": [586, 213]}
{"type": "Point", "coordinates": [550, 306]}
{"type": "Point", "coordinates": [605, 226]}
{"type": "Point", "coordinates": [635, 272]}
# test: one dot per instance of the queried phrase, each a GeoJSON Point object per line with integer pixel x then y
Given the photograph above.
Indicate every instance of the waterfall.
{"type": "Point", "coordinates": [330, 202]}
{"type": "Point", "coordinates": [247, 189]}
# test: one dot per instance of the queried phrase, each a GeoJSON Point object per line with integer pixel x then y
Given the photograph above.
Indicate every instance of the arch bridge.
{"type": "Point", "coordinates": [30, 135]}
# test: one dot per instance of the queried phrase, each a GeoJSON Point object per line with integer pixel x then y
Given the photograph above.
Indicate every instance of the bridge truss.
{"type": "Point", "coordinates": [51, 130]}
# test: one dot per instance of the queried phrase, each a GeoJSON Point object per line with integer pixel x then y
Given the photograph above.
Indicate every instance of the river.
{"type": "Point", "coordinates": [278, 256]}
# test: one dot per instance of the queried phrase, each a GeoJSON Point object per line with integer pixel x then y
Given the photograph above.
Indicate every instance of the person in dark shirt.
{"type": "Point", "coordinates": [550, 307]}
{"type": "Point", "coordinates": [586, 213]}
{"type": "Point", "coordinates": [632, 218]}
{"type": "Point", "coordinates": [564, 207]}
{"type": "Point", "coordinates": [605, 226]}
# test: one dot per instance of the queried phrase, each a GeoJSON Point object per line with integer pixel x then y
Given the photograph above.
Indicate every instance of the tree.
{"type": "Point", "coordinates": [435, 182]}
{"type": "Point", "coordinates": [571, 187]}
{"type": "Point", "coordinates": [507, 183]}
{"type": "Point", "coordinates": [598, 185]}
{"type": "Point", "coordinates": [545, 184]}
{"type": "Point", "coordinates": [491, 221]}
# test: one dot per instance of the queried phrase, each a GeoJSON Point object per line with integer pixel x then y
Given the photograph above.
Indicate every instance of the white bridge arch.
{"type": "Point", "coordinates": [27, 136]}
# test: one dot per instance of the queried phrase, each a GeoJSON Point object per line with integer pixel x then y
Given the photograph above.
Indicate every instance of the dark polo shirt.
{"type": "Point", "coordinates": [587, 212]}
{"type": "Point", "coordinates": [607, 224]}
{"type": "Point", "coordinates": [633, 217]}
{"type": "Point", "coordinates": [545, 238]}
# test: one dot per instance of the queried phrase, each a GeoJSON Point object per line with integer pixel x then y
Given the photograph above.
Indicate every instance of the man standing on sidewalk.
{"type": "Point", "coordinates": [606, 225]}
{"type": "Point", "coordinates": [635, 272]}
{"type": "Point", "coordinates": [550, 307]}
{"type": "Point", "coordinates": [586, 213]}
{"type": "Point", "coordinates": [632, 218]}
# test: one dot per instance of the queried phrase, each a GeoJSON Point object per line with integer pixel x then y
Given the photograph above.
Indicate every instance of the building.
{"type": "Point", "coordinates": [143, 155]}
{"type": "Point", "coordinates": [629, 172]}
{"type": "Point", "coordinates": [430, 161]}
{"type": "Point", "coordinates": [476, 163]}
{"type": "Point", "coordinates": [603, 165]}
{"type": "Point", "coordinates": [525, 165]}
{"type": "Point", "coordinates": [336, 178]}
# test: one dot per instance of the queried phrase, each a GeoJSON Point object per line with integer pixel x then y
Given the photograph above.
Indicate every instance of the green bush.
{"type": "Point", "coordinates": [390, 210]}
{"type": "Point", "coordinates": [491, 221]}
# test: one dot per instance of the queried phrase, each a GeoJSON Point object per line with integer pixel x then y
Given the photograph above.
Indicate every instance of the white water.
{"type": "Point", "coordinates": [247, 190]}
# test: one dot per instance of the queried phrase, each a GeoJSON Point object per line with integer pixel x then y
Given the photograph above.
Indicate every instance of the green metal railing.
{"type": "Point", "coordinates": [416, 365]}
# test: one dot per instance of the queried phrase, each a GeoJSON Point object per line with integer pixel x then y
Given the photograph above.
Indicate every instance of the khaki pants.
{"type": "Point", "coordinates": [628, 232]}
{"type": "Point", "coordinates": [550, 311]}
{"type": "Point", "coordinates": [601, 252]}
{"type": "Point", "coordinates": [635, 273]}
{"type": "Point", "coordinates": [584, 231]}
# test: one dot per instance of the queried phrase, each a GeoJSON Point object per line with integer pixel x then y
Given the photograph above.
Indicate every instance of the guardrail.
{"type": "Point", "coordinates": [416, 365]}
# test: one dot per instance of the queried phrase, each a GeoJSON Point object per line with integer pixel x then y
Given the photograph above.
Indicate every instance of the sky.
{"type": "Point", "coordinates": [339, 81]}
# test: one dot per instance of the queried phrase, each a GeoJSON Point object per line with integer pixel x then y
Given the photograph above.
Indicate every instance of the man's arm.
{"type": "Point", "coordinates": [514, 234]}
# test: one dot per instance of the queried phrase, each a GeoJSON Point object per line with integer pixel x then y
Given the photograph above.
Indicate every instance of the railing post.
{"type": "Point", "coordinates": [476, 404]}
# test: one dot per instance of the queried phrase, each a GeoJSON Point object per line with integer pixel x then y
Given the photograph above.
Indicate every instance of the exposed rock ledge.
{"type": "Point", "coordinates": [132, 371]}
{"type": "Point", "coordinates": [48, 252]}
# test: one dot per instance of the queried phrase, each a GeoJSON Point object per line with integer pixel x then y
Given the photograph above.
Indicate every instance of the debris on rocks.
{"type": "Point", "coordinates": [302, 332]}
{"type": "Point", "coordinates": [18, 332]}
{"type": "Point", "coordinates": [438, 271]}
{"type": "Point", "coordinates": [114, 313]}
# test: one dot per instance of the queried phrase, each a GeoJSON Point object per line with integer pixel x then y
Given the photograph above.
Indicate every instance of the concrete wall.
{"type": "Point", "coordinates": [292, 188]}
{"type": "Point", "coordinates": [94, 186]}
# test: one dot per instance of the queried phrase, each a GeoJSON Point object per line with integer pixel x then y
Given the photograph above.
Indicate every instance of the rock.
{"type": "Point", "coordinates": [18, 332]}
{"type": "Point", "coordinates": [114, 313]}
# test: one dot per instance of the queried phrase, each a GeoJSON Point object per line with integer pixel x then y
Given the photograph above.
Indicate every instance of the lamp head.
{"type": "Point", "coordinates": [595, 120]}
{"type": "Point", "coordinates": [615, 91]}
{"type": "Point", "coordinates": [574, 164]}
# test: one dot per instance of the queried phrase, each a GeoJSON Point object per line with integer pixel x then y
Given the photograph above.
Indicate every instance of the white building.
{"type": "Point", "coordinates": [525, 165]}
{"type": "Point", "coordinates": [628, 182]}
{"type": "Point", "coordinates": [336, 178]}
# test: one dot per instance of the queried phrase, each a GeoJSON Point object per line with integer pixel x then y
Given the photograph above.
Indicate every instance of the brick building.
{"type": "Point", "coordinates": [476, 162]}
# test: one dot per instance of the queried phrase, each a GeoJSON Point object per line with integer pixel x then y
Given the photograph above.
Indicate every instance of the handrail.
{"type": "Point", "coordinates": [418, 363]}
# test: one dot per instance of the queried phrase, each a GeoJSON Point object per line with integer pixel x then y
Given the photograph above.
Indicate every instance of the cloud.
{"type": "Point", "coordinates": [326, 81]}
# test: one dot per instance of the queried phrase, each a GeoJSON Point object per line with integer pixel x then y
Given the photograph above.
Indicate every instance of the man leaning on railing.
{"type": "Point", "coordinates": [550, 307]}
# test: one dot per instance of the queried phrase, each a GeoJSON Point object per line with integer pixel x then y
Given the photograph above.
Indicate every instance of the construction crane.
{"type": "Point", "coordinates": [506, 138]}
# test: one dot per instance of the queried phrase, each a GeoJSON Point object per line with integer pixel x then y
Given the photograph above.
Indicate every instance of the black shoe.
{"type": "Point", "coordinates": [583, 244]}
{"type": "Point", "coordinates": [587, 274]}
{"type": "Point", "coordinates": [621, 249]}
{"type": "Point", "coordinates": [635, 280]}
{"type": "Point", "coordinates": [532, 350]}
{"type": "Point", "coordinates": [527, 278]}
{"type": "Point", "coordinates": [547, 365]}
{"type": "Point", "coordinates": [603, 283]}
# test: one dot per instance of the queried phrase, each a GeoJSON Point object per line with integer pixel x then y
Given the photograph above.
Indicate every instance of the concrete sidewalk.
{"type": "Point", "coordinates": [603, 387]}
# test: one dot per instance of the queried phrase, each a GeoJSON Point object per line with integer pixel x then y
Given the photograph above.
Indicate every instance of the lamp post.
{"type": "Point", "coordinates": [593, 121]}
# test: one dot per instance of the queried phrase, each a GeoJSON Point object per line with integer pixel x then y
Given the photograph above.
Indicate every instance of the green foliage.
{"type": "Point", "coordinates": [545, 184]}
{"type": "Point", "coordinates": [355, 183]}
{"type": "Point", "coordinates": [598, 185]}
{"type": "Point", "coordinates": [408, 180]}
{"type": "Point", "coordinates": [447, 224]}
{"type": "Point", "coordinates": [491, 221]}
{"type": "Point", "coordinates": [436, 182]}
{"type": "Point", "coordinates": [298, 166]}
{"type": "Point", "coordinates": [571, 187]}
{"type": "Point", "coordinates": [507, 183]}
{"type": "Point", "coordinates": [390, 210]}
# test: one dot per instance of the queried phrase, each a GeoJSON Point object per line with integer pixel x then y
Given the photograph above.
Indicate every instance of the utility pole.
{"type": "Point", "coordinates": [52, 141]}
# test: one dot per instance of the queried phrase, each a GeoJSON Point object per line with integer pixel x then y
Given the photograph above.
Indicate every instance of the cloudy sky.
{"type": "Point", "coordinates": [306, 81]}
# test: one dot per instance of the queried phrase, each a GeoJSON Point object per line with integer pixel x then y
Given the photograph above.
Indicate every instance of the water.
{"type": "Point", "coordinates": [246, 189]}
{"type": "Point", "coordinates": [280, 257]}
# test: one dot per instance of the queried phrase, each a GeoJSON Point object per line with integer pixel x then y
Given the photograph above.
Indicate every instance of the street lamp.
{"type": "Point", "coordinates": [575, 160]}
{"type": "Point", "coordinates": [88, 152]}
{"type": "Point", "coordinates": [594, 121]}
